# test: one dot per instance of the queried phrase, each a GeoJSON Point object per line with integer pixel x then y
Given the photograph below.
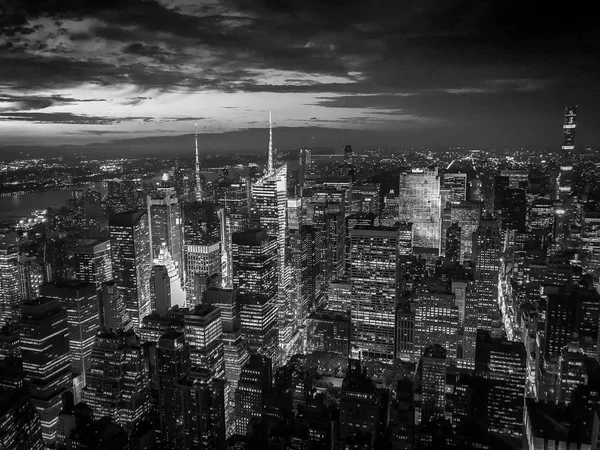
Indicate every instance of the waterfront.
{"type": "Point", "coordinates": [19, 206]}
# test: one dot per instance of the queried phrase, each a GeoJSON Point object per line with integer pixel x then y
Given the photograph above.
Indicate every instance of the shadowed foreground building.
{"type": "Point", "coordinates": [173, 363]}
{"type": "Point", "coordinates": [46, 362]}
{"type": "Point", "coordinates": [117, 383]}
{"type": "Point", "coordinates": [20, 426]}
{"type": "Point", "coordinates": [203, 402]}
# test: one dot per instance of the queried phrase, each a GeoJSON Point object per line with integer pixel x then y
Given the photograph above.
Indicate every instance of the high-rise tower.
{"type": "Point", "coordinates": [565, 178]}
{"type": "Point", "coordinates": [270, 162]}
{"type": "Point", "coordinates": [132, 262]}
{"type": "Point", "coordinates": [199, 190]}
{"type": "Point", "coordinates": [420, 204]}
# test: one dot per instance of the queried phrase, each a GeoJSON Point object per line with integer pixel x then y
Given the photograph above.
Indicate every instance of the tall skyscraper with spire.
{"type": "Point", "coordinates": [565, 177]}
{"type": "Point", "coordinates": [199, 191]}
{"type": "Point", "coordinates": [270, 162]}
{"type": "Point", "coordinates": [269, 212]}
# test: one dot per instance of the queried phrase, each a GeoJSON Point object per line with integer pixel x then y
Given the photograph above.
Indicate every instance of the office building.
{"type": "Point", "coordinates": [112, 312]}
{"type": "Point", "coordinates": [32, 274]}
{"type": "Point", "coordinates": [118, 380]}
{"type": "Point", "coordinates": [436, 322]}
{"type": "Point", "coordinates": [46, 361]}
{"type": "Point", "coordinates": [173, 364]}
{"type": "Point", "coordinates": [433, 383]}
{"type": "Point", "coordinates": [502, 364]}
{"type": "Point", "coordinates": [204, 334]}
{"type": "Point", "coordinates": [374, 281]}
{"type": "Point", "coordinates": [165, 284]}
{"type": "Point", "coordinates": [80, 301]}
{"type": "Point", "coordinates": [420, 204]}
{"type": "Point", "coordinates": [202, 233]}
{"type": "Point", "coordinates": [132, 262]}
{"type": "Point", "coordinates": [9, 277]}
{"type": "Point", "coordinates": [166, 225]}
{"type": "Point", "coordinates": [487, 248]}
{"type": "Point", "coordinates": [456, 186]}
{"type": "Point", "coordinates": [203, 422]}
{"type": "Point", "coordinates": [20, 425]}
{"type": "Point", "coordinates": [91, 260]}
{"type": "Point", "coordinates": [255, 383]}
{"type": "Point", "coordinates": [329, 332]}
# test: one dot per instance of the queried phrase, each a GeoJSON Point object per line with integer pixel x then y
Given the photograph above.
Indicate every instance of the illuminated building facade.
{"type": "Point", "coordinates": [436, 322]}
{"type": "Point", "coordinates": [269, 212]}
{"type": "Point", "coordinates": [487, 248]}
{"type": "Point", "coordinates": [91, 260]}
{"type": "Point", "coordinates": [165, 223]}
{"type": "Point", "coordinates": [118, 379]}
{"type": "Point", "coordinates": [374, 281]}
{"type": "Point", "coordinates": [204, 333]}
{"type": "Point", "coordinates": [9, 277]}
{"type": "Point", "coordinates": [565, 177]}
{"type": "Point", "coordinates": [80, 301]}
{"type": "Point", "coordinates": [132, 262]}
{"type": "Point", "coordinates": [202, 231]}
{"type": "Point", "coordinates": [165, 284]}
{"type": "Point", "coordinates": [420, 204]}
{"type": "Point", "coordinates": [255, 383]}
{"type": "Point", "coordinates": [456, 186]}
{"type": "Point", "coordinates": [46, 361]}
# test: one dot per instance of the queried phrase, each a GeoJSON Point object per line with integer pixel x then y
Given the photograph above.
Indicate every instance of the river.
{"type": "Point", "coordinates": [20, 206]}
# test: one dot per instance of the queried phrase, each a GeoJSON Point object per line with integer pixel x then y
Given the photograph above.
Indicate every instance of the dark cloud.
{"type": "Point", "coordinates": [37, 102]}
{"type": "Point", "coordinates": [476, 64]}
{"type": "Point", "coordinates": [57, 118]}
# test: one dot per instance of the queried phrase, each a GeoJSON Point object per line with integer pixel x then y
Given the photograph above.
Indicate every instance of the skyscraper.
{"type": "Point", "coordinates": [173, 364]}
{"type": "Point", "coordinates": [254, 255]}
{"type": "Point", "coordinates": [91, 260]}
{"type": "Point", "coordinates": [46, 362]}
{"type": "Point", "coordinates": [202, 245]}
{"type": "Point", "coordinates": [255, 383]}
{"type": "Point", "coordinates": [132, 262]}
{"type": "Point", "coordinates": [202, 398]}
{"type": "Point", "coordinates": [165, 283]}
{"type": "Point", "coordinates": [565, 177]}
{"type": "Point", "coordinates": [166, 227]}
{"type": "Point", "coordinates": [502, 363]}
{"type": "Point", "coordinates": [204, 333]}
{"type": "Point", "coordinates": [374, 282]}
{"type": "Point", "coordinates": [487, 247]}
{"type": "Point", "coordinates": [117, 382]}
{"type": "Point", "coordinates": [433, 382]}
{"type": "Point", "coordinates": [420, 204]}
{"type": "Point", "coordinates": [269, 212]}
{"type": "Point", "coordinates": [436, 322]}
{"type": "Point", "coordinates": [111, 309]}
{"type": "Point", "coordinates": [9, 277]}
{"type": "Point", "coordinates": [80, 301]}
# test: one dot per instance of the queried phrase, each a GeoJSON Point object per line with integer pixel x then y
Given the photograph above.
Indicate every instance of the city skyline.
{"type": "Point", "coordinates": [391, 75]}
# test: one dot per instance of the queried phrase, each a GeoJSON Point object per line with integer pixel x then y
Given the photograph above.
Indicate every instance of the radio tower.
{"type": "Point", "coordinates": [270, 164]}
{"type": "Point", "coordinates": [199, 193]}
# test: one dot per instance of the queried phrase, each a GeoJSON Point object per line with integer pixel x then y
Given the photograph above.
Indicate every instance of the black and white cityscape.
{"type": "Point", "coordinates": [244, 224]}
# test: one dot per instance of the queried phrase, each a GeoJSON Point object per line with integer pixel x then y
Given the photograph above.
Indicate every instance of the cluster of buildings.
{"type": "Point", "coordinates": [186, 320]}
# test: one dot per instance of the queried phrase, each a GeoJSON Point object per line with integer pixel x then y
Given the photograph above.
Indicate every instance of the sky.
{"type": "Point", "coordinates": [478, 74]}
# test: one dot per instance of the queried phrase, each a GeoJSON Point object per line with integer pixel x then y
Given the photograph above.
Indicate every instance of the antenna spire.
{"type": "Point", "coordinates": [270, 163]}
{"type": "Point", "coordinates": [199, 193]}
